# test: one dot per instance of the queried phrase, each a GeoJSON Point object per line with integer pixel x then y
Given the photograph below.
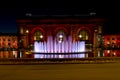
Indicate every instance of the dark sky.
{"type": "Point", "coordinates": [8, 15]}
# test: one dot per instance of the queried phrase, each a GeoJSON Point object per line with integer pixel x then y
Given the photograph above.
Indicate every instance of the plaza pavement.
{"type": "Point", "coordinates": [108, 71]}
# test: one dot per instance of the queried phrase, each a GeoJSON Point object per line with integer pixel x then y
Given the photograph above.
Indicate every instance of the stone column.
{"type": "Point", "coordinates": [95, 44]}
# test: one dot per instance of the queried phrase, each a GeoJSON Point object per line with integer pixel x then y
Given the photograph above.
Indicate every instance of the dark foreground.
{"type": "Point", "coordinates": [108, 71]}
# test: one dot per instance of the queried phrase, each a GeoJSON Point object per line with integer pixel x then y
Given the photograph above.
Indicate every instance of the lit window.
{"type": "Point", "coordinates": [38, 36]}
{"type": "Point", "coordinates": [83, 35]}
{"type": "Point", "coordinates": [108, 51]}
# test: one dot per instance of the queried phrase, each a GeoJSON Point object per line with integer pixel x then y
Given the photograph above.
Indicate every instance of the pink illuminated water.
{"type": "Point", "coordinates": [53, 46]}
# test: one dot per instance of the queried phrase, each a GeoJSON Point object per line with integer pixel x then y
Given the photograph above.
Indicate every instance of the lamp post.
{"type": "Point", "coordinates": [27, 44]}
{"type": "Point", "coordinates": [27, 38]}
{"type": "Point", "coordinates": [20, 48]}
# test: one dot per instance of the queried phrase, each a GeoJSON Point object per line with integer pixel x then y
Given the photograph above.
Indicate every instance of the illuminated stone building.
{"type": "Point", "coordinates": [59, 36]}
{"type": "Point", "coordinates": [8, 45]}
{"type": "Point", "coordinates": [111, 45]}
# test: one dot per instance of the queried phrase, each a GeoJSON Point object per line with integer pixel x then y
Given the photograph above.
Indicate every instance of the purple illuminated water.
{"type": "Point", "coordinates": [53, 46]}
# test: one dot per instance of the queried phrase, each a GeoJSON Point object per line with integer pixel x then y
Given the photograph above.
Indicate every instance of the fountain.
{"type": "Point", "coordinates": [54, 49]}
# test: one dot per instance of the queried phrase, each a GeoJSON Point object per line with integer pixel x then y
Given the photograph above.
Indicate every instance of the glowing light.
{"type": "Point", "coordinates": [80, 36]}
{"type": "Point", "coordinates": [95, 30]}
{"type": "Point", "coordinates": [60, 36]}
{"type": "Point", "coordinates": [98, 53]}
{"type": "Point", "coordinates": [41, 36]}
{"type": "Point", "coordinates": [108, 51]}
{"type": "Point", "coordinates": [27, 31]}
{"type": "Point", "coordinates": [20, 54]}
{"type": "Point", "coordinates": [114, 53]}
{"type": "Point", "coordinates": [108, 42]}
{"type": "Point", "coordinates": [27, 52]}
{"type": "Point", "coordinates": [15, 54]}
{"type": "Point", "coordinates": [60, 41]}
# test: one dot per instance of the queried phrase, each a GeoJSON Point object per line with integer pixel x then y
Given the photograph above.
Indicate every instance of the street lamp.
{"type": "Point", "coordinates": [80, 36]}
{"type": "Point", "coordinates": [27, 31]}
{"type": "Point", "coordinates": [41, 36]}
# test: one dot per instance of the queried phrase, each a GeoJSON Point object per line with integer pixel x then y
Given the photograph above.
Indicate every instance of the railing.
{"type": "Point", "coordinates": [60, 60]}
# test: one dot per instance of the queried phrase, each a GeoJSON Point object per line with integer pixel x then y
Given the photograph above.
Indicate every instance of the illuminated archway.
{"type": "Point", "coordinates": [83, 35]}
{"type": "Point", "coordinates": [61, 29]}
{"type": "Point", "coordinates": [39, 32]}
{"type": "Point", "coordinates": [61, 36]}
{"type": "Point", "coordinates": [38, 35]}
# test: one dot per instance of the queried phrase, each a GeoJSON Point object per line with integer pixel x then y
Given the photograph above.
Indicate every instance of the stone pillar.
{"type": "Point", "coordinates": [95, 44]}
{"type": "Point", "coordinates": [100, 41]}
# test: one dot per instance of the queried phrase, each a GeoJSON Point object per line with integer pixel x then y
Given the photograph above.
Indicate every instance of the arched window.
{"type": "Point", "coordinates": [38, 36]}
{"type": "Point", "coordinates": [83, 35]}
{"type": "Point", "coordinates": [61, 36]}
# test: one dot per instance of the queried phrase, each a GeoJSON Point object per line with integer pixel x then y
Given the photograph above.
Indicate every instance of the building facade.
{"type": "Point", "coordinates": [112, 45]}
{"type": "Point", "coordinates": [8, 45]}
{"type": "Point", "coordinates": [60, 37]}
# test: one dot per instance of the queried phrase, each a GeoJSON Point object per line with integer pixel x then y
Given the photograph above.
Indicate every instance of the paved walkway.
{"type": "Point", "coordinates": [109, 71]}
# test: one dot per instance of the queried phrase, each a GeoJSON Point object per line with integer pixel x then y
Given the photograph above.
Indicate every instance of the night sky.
{"type": "Point", "coordinates": [8, 15]}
